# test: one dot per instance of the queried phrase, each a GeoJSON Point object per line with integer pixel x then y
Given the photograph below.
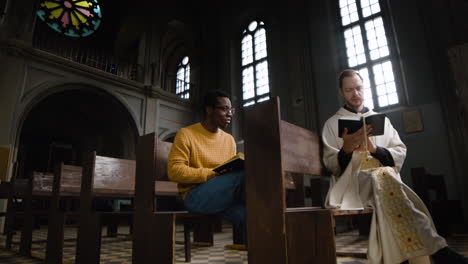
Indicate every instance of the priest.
{"type": "Point", "coordinates": [365, 173]}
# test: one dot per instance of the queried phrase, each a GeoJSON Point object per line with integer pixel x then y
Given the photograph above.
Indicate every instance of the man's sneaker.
{"type": "Point", "coordinates": [448, 256]}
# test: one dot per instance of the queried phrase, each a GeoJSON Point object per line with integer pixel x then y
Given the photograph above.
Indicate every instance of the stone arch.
{"type": "Point", "coordinates": [168, 136]}
{"type": "Point", "coordinates": [61, 122]}
{"type": "Point", "coordinates": [36, 94]}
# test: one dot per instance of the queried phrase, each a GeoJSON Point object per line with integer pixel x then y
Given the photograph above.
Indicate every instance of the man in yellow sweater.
{"type": "Point", "coordinates": [199, 148]}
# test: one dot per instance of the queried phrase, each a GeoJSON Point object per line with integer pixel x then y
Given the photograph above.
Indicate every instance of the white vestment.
{"type": "Point", "coordinates": [402, 227]}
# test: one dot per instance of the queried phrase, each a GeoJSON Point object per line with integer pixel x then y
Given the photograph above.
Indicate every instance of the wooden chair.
{"type": "Point", "coordinates": [273, 148]}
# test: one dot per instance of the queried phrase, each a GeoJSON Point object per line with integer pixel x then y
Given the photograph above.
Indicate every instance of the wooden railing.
{"type": "Point", "coordinates": [99, 58]}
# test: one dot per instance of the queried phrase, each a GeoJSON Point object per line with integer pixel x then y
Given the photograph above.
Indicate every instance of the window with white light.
{"type": "Point", "coordinates": [366, 40]}
{"type": "Point", "coordinates": [255, 81]}
{"type": "Point", "coordinates": [183, 79]}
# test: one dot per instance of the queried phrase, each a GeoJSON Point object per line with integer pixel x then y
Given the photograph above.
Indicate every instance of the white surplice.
{"type": "Point", "coordinates": [401, 227]}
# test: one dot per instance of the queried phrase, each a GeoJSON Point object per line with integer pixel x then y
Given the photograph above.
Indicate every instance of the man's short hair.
{"type": "Point", "coordinates": [348, 73]}
{"type": "Point", "coordinates": [211, 98]}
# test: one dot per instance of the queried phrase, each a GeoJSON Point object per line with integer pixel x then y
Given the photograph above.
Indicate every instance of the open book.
{"type": "Point", "coordinates": [233, 164]}
{"type": "Point", "coordinates": [377, 121]}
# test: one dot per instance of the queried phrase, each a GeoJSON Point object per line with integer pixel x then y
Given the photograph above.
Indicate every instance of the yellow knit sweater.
{"type": "Point", "coordinates": [195, 152]}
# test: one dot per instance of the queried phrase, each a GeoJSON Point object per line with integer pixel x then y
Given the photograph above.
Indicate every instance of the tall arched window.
{"type": "Point", "coordinates": [255, 81]}
{"type": "Point", "coordinates": [183, 79]}
{"type": "Point", "coordinates": [368, 45]}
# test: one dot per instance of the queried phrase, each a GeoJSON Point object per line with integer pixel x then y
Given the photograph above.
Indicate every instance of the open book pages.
{"type": "Point", "coordinates": [354, 123]}
{"type": "Point", "coordinates": [232, 164]}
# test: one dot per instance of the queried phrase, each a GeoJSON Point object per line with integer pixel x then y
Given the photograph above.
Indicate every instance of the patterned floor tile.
{"type": "Point", "coordinates": [117, 250]}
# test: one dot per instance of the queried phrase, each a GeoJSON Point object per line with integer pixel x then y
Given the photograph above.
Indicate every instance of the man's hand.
{"type": "Point", "coordinates": [355, 141]}
{"type": "Point", "coordinates": [370, 146]}
{"type": "Point", "coordinates": [352, 141]}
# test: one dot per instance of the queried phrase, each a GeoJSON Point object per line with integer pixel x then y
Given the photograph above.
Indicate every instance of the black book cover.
{"type": "Point", "coordinates": [233, 164]}
{"type": "Point", "coordinates": [377, 121]}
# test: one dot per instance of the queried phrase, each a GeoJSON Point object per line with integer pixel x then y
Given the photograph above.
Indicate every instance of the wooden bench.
{"type": "Point", "coordinates": [23, 192]}
{"type": "Point", "coordinates": [6, 192]}
{"type": "Point", "coordinates": [362, 218]}
{"type": "Point", "coordinates": [274, 148]}
{"type": "Point", "coordinates": [40, 186]}
{"type": "Point", "coordinates": [103, 177]}
{"type": "Point", "coordinates": [201, 225]}
{"type": "Point", "coordinates": [112, 178]}
{"type": "Point", "coordinates": [154, 230]}
{"type": "Point", "coordinates": [66, 185]}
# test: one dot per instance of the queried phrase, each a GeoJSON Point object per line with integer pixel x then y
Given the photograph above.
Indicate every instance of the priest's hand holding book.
{"type": "Point", "coordinates": [357, 140]}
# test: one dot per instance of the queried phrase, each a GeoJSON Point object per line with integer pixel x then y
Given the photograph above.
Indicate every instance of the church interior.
{"type": "Point", "coordinates": [82, 76]}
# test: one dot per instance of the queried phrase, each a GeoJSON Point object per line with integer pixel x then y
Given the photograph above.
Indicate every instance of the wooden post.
{"type": "Point", "coordinates": [55, 232]}
{"type": "Point", "coordinates": [273, 149]}
{"type": "Point", "coordinates": [265, 197]}
{"type": "Point", "coordinates": [88, 246]}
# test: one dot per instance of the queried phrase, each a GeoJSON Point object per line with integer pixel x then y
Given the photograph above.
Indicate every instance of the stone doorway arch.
{"type": "Point", "coordinates": [63, 124]}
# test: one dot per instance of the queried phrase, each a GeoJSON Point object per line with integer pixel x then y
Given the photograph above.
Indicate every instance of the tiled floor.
{"type": "Point", "coordinates": [117, 250]}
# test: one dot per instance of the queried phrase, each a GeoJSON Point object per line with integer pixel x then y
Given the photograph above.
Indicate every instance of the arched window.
{"type": "Point", "coordinates": [183, 79]}
{"type": "Point", "coordinates": [255, 81]}
{"type": "Point", "coordinates": [368, 50]}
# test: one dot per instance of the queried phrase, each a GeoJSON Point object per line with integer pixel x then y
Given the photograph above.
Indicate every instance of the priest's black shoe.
{"type": "Point", "coordinates": [448, 256]}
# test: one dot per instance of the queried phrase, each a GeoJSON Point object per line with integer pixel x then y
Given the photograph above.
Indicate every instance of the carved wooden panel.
{"type": "Point", "coordinates": [71, 176]}
{"type": "Point", "coordinates": [113, 173]}
{"type": "Point", "coordinates": [301, 153]}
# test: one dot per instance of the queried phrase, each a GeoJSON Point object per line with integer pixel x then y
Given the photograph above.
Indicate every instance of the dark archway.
{"type": "Point", "coordinates": [63, 125]}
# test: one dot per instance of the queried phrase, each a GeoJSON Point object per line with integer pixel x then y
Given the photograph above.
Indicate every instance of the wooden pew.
{"type": "Point", "coordinates": [352, 217]}
{"type": "Point", "coordinates": [112, 178]}
{"type": "Point", "coordinates": [23, 192]}
{"type": "Point", "coordinates": [40, 185]}
{"type": "Point", "coordinates": [103, 177]}
{"type": "Point", "coordinates": [273, 148]}
{"type": "Point", "coordinates": [154, 231]}
{"type": "Point", "coordinates": [28, 191]}
{"type": "Point", "coordinates": [363, 217]}
{"type": "Point", "coordinates": [66, 185]}
{"type": "Point", "coordinates": [203, 232]}
{"type": "Point", "coordinates": [9, 228]}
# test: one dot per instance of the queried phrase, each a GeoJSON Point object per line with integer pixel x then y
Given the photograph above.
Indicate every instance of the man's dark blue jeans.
{"type": "Point", "coordinates": [223, 195]}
